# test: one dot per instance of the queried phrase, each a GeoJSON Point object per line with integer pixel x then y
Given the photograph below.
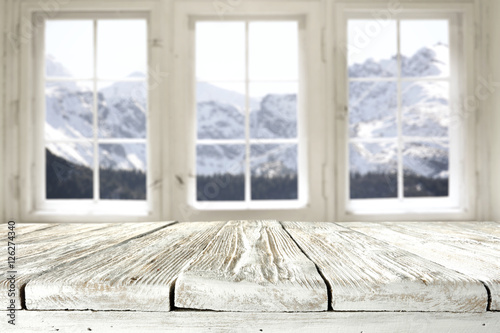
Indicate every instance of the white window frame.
{"type": "Point", "coordinates": [311, 203]}
{"type": "Point", "coordinates": [34, 205]}
{"type": "Point", "coordinates": [461, 201]}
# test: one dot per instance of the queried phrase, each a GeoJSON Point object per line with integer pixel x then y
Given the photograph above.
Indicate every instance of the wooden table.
{"type": "Point", "coordinates": [256, 276]}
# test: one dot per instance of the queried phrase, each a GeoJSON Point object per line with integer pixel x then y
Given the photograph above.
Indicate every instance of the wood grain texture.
{"type": "Point", "coordinates": [46, 248]}
{"type": "Point", "coordinates": [211, 321]}
{"type": "Point", "coordinates": [366, 274]}
{"type": "Point", "coordinates": [489, 228]}
{"type": "Point", "coordinates": [252, 266]}
{"type": "Point", "coordinates": [24, 230]}
{"type": "Point", "coordinates": [136, 275]}
{"type": "Point", "coordinates": [443, 245]}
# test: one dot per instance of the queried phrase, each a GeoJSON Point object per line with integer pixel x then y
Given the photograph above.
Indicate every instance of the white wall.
{"type": "Point", "coordinates": [2, 91]}
{"type": "Point", "coordinates": [494, 57]}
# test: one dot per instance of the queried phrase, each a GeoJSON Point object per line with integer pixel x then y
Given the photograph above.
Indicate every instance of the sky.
{"type": "Point", "coordinates": [220, 48]}
{"type": "Point", "coordinates": [121, 46]}
{"type": "Point", "coordinates": [273, 60]}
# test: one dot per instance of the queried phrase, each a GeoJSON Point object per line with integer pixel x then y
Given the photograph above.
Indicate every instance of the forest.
{"type": "Point", "coordinates": [67, 180]}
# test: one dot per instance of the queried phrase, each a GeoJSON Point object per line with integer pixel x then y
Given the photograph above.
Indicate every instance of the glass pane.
{"type": "Point", "coordinates": [220, 110]}
{"type": "Point", "coordinates": [426, 169]}
{"type": "Point", "coordinates": [220, 51]}
{"type": "Point", "coordinates": [425, 48]}
{"type": "Point", "coordinates": [69, 48]}
{"type": "Point", "coordinates": [274, 172]}
{"type": "Point", "coordinates": [220, 172]}
{"type": "Point", "coordinates": [425, 108]}
{"type": "Point", "coordinates": [273, 50]}
{"type": "Point", "coordinates": [122, 109]}
{"type": "Point", "coordinates": [121, 48]}
{"type": "Point", "coordinates": [273, 110]}
{"type": "Point", "coordinates": [122, 171]}
{"type": "Point", "coordinates": [372, 109]}
{"type": "Point", "coordinates": [68, 171]}
{"type": "Point", "coordinates": [68, 110]}
{"type": "Point", "coordinates": [372, 48]}
{"type": "Point", "coordinates": [373, 170]}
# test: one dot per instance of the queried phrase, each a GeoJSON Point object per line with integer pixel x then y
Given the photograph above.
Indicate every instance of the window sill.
{"type": "Point", "coordinates": [254, 205]}
{"type": "Point", "coordinates": [90, 211]}
{"type": "Point", "coordinates": [409, 209]}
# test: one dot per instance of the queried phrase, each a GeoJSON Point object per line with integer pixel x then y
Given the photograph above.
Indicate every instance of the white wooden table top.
{"type": "Point", "coordinates": [260, 266]}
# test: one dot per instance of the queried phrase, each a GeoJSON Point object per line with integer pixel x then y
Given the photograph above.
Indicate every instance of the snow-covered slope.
{"type": "Point", "coordinates": [425, 114]}
{"type": "Point", "coordinates": [122, 114]}
{"type": "Point", "coordinates": [220, 115]}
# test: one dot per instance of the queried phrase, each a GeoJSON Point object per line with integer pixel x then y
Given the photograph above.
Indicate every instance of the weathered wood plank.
{"type": "Point", "coordinates": [211, 321]}
{"type": "Point", "coordinates": [252, 266]}
{"type": "Point", "coordinates": [459, 256]}
{"type": "Point", "coordinates": [24, 230]}
{"type": "Point", "coordinates": [366, 274]}
{"type": "Point", "coordinates": [490, 228]}
{"type": "Point", "coordinates": [452, 234]}
{"type": "Point", "coordinates": [136, 275]}
{"type": "Point", "coordinates": [47, 248]}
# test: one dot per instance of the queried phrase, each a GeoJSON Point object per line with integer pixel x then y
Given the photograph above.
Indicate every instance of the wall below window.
{"type": "Point", "coordinates": [495, 110]}
{"type": "Point", "coordinates": [2, 109]}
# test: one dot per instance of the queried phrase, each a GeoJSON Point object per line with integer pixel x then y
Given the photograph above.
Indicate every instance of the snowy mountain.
{"type": "Point", "coordinates": [121, 114]}
{"type": "Point", "coordinates": [425, 114]}
{"type": "Point", "coordinates": [220, 115]}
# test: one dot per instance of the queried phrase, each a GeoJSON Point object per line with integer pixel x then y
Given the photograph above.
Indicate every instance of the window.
{"type": "Point", "coordinates": [95, 109]}
{"type": "Point", "coordinates": [405, 123]}
{"type": "Point", "coordinates": [245, 121]}
{"type": "Point", "coordinates": [96, 85]}
{"type": "Point", "coordinates": [246, 96]}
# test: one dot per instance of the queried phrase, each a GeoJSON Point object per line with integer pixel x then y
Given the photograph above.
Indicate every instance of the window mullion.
{"type": "Point", "coordinates": [247, 121]}
{"type": "Point", "coordinates": [95, 121]}
{"type": "Point", "coordinates": [399, 114]}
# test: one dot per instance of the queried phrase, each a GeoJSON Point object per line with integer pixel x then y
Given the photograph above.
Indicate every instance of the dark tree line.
{"type": "Point", "coordinates": [227, 187]}
{"type": "Point", "coordinates": [379, 185]}
{"type": "Point", "coordinates": [67, 180]}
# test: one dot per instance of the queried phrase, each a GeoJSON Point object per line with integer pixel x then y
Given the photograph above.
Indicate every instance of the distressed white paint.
{"type": "Point", "coordinates": [2, 107]}
{"type": "Point", "coordinates": [494, 115]}
{"type": "Point", "coordinates": [136, 275]}
{"type": "Point", "coordinates": [252, 266]}
{"type": "Point", "coordinates": [45, 249]}
{"type": "Point", "coordinates": [471, 258]}
{"type": "Point", "coordinates": [366, 274]}
{"type": "Point", "coordinates": [209, 321]}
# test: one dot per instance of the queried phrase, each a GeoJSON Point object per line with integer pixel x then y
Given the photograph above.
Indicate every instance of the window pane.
{"type": "Point", "coordinates": [220, 110]}
{"type": "Point", "coordinates": [68, 110]}
{"type": "Point", "coordinates": [69, 48]}
{"type": "Point", "coordinates": [68, 171]}
{"type": "Point", "coordinates": [425, 108]}
{"type": "Point", "coordinates": [372, 109]}
{"type": "Point", "coordinates": [274, 172]}
{"type": "Point", "coordinates": [121, 48]}
{"type": "Point", "coordinates": [220, 172]}
{"type": "Point", "coordinates": [273, 110]}
{"type": "Point", "coordinates": [122, 171]}
{"type": "Point", "coordinates": [373, 170]}
{"type": "Point", "coordinates": [273, 50]}
{"type": "Point", "coordinates": [426, 169]}
{"type": "Point", "coordinates": [425, 48]}
{"type": "Point", "coordinates": [220, 51]}
{"type": "Point", "coordinates": [372, 48]}
{"type": "Point", "coordinates": [122, 109]}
